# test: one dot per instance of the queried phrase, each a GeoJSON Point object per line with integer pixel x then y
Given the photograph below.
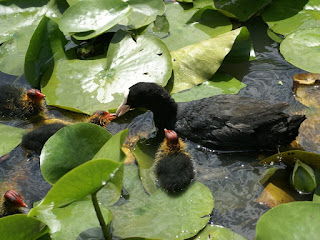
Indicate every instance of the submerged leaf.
{"type": "Point", "coordinates": [303, 178]}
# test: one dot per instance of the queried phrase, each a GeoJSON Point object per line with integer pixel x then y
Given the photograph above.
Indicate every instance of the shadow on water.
{"type": "Point", "coordinates": [232, 178]}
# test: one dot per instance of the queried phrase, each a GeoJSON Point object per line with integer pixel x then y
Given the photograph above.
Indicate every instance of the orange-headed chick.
{"type": "Point", "coordinates": [12, 204]}
{"type": "Point", "coordinates": [174, 166]}
{"type": "Point", "coordinates": [17, 102]}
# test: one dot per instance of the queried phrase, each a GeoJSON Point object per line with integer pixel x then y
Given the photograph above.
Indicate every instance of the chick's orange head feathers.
{"type": "Point", "coordinates": [15, 198]}
{"type": "Point", "coordinates": [35, 94]}
{"type": "Point", "coordinates": [104, 114]}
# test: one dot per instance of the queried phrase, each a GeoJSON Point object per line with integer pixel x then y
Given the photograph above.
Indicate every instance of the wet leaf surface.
{"type": "Point", "coordinates": [217, 232]}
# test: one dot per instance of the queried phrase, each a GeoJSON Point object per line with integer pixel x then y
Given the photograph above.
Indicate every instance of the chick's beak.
{"type": "Point", "coordinates": [122, 109]}
{"type": "Point", "coordinates": [111, 116]}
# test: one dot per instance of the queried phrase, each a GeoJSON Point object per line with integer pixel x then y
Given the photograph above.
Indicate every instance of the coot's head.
{"type": "Point", "coordinates": [171, 136]}
{"type": "Point", "coordinates": [143, 94]}
{"type": "Point", "coordinates": [35, 95]}
{"type": "Point", "coordinates": [13, 198]}
{"type": "Point", "coordinates": [102, 118]}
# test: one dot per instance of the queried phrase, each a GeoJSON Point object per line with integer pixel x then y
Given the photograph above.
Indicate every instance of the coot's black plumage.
{"type": "Point", "coordinates": [17, 102]}
{"type": "Point", "coordinates": [222, 122]}
{"type": "Point", "coordinates": [174, 167]}
{"type": "Point", "coordinates": [12, 204]}
{"type": "Point", "coordinates": [35, 139]}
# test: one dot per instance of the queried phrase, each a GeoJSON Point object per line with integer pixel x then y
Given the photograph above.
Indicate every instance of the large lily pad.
{"type": "Point", "coordinates": [101, 84]}
{"type": "Point", "coordinates": [161, 216]}
{"type": "Point", "coordinates": [70, 221]}
{"type": "Point", "coordinates": [218, 232]}
{"type": "Point", "coordinates": [240, 9]}
{"type": "Point", "coordinates": [287, 16]}
{"type": "Point", "coordinates": [193, 25]}
{"type": "Point", "coordinates": [18, 20]}
{"type": "Point", "coordinates": [297, 220]}
{"type": "Point", "coordinates": [90, 18]}
{"type": "Point", "coordinates": [20, 227]}
{"type": "Point", "coordinates": [78, 183]}
{"type": "Point", "coordinates": [302, 49]}
{"type": "Point", "coordinates": [197, 63]}
{"type": "Point", "coordinates": [10, 137]}
{"type": "Point", "coordinates": [220, 83]}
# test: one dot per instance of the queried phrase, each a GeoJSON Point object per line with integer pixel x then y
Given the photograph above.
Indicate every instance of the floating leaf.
{"type": "Point", "coordinates": [10, 137]}
{"type": "Point", "coordinates": [159, 28]}
{"type": "Point", "coordinates": [302, 49]}
{"type": "Point", "coordinates": [100, 84]}
{"type": "Point", "coordinates": [89, 18]}
{"type": "Point", "coordinates": [197, 63]}
{"type": "Point", "coordinates": [297, 220]}
{"type": "Point", "coordinates": [287, 16]}
{"type": "Point", "coordinates": [217, 232]}
{"type": "Point", "coordinates": [81, 181]}
{"type": "Point", "coordinates": [240, 8]}
{"type": "Point", "coordinates": [180, 216]}
{"type": "Point", "coordinates": [70, 221]}
{"type": "Point", "coordinates": [290, 158]}
{"type": "Point", "coordinates": [207, 23]}
{"type": "Point", "coordinates": [220, 83]}
{"type": "Point", "coordinates": [303, 178]}
{"type": "Point", "coordinates": [20, 226]}
{"type": "Point", "coordinates": [273, 196]}
{"type": "Point", "coordinates": [18, 20]}
{"type": "Point", "coordinates": [316, 195]}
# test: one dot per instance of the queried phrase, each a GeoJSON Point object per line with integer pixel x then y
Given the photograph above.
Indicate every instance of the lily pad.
{"type": "Point", "coordinates": [10, 137]}
{"type": "Point", "coordinates": [302, 49]}
{"type": "Point", "coordinates": [290, 157]}
{"type": "Point", "coordinates": [177, 217]}
{"type": "Point", "coordinates": [297, 220]}
{"type": "Point", "coordinates": [101, 84]}
{"type": "Point", "coordinates": [193, 25]}
{"type": "Point", "coordinates": [143, 12]}
{"type": "Point", "coordinates": [20, 226]}
{"type": "Point", "coordinates": [240, 8]}
{"type": "Point", "coordinates": [89, 18]}
{"type": "Point", "coordinates": [288, 16]}
{"type": "Point", "coordinates": [220, 83]}
{"type": "Point", "coordinates": [159, 28]}
{"type": "Point", "coordinates": [218, 232]}
{"type": "Point", "coordinates": [78, 183]}
{"type": "Point", "coordinates": [18, 20]}
{"type": "Point", "coordinates": [70, 221]}
{"type": "Point", "coordinates": [197, 63]}
{"type": "Point", "coordinates": [303, 178]}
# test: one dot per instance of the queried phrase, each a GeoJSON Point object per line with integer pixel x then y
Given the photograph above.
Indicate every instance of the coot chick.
{"type": "Point", "coordinates": [35, 139]}
{"type": "Point", "coordinates": [17, 102]}
{"type": "Point", "coordinates": [12, 204]}
{"type": "Point", "coordinates": [221, 122]}
{"type": "Point", "coordinates": [174, 167]}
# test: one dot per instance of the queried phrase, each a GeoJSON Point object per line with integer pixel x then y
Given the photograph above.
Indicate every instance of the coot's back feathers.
{"type": "Point", "coordinates": [16, 102]}
{"type": "Point", "coordinates": [222, 122]}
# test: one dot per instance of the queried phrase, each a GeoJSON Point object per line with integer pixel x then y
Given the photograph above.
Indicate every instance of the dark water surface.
{"type": "Point", "coordinates": [233, 178]}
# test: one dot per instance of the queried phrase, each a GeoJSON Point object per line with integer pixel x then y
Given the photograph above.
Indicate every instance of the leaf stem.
{"type": "Point", "coordinates": [104, 227]}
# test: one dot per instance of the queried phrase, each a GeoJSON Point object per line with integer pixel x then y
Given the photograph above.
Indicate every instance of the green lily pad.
{"type": "Point", "coordinates": [143, 12]}
{"type": "Point", "coordinates": [70, 147]}
{"type": "Point", "coordinates": [203, 3]}
{"type": "Point", "coordinates": [290, 157]}
{"type": "Point", "coordinates": [159, 28]}
{"type": "Point", "coordinates": [193, 25]}
{"type": "Point", "coordinates": [81, 181]}
{"type": "Point", "coordinates": [18, 20]}
{"type": "Point", "coordinates": [316, 195]}
{"type": "Point", "coordinates": [160, 216]}
{"type": "Point", "coordinates": [20, 227]}
{"type": "Point", "coordinates": [89, 18]}
{"type": "Point", "coordinates": [302, 49]}
{"type": "Point", "coordinates": [240, 9]}
{"type": "Point", "coordinates": [10, 137]}
{"type": "Point", "coordinates": [288, 16]}
{"type": "Point", "coordinates": [101, 84]}
{"type": "Point", "coordinates": [70, 221]}
{"type": "Point", "coordinates": [197, 63]}
{"type": "Point", "coordinates": [218, 232]}
{"type": "Point", "coordinates": [297, 220]}
{"type": "Point", "coordinates": [303, 178]}
{"type": "Point", "coordinates": [220, 83]}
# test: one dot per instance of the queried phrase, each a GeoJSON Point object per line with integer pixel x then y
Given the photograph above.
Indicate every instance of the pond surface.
{"type": "Point", "coordinates": [233, 178]}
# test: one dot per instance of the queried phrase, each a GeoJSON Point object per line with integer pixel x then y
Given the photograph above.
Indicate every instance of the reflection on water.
{"type": "Point", "coordinates": [232, 178]}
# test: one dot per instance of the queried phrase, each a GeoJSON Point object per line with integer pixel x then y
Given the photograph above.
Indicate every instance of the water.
{"type": "Point", "coordinates": [233, 178]}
